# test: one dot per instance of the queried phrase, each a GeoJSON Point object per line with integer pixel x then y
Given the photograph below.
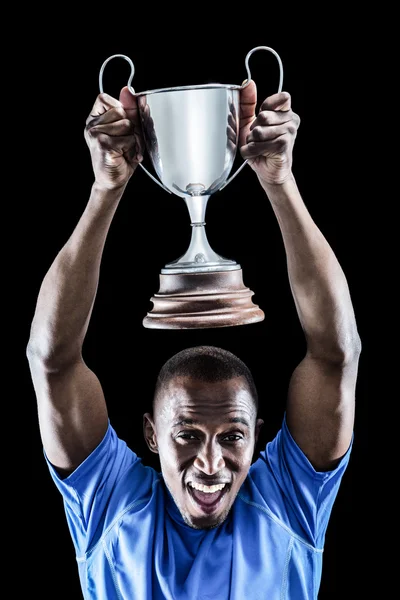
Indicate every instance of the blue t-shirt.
{"type": "Point", "coordinates": [132, 543]}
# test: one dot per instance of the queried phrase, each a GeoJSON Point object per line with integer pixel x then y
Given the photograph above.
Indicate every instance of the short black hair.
{"type": "Point", "coordinates": [206, 363]}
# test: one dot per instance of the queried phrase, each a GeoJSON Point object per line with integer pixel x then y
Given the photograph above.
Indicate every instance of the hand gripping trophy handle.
{"type": "Point", "coordinates": [133, 92]}
{"type": "Point", "coordinates": [241, 87]}
{"type": "Point", "coordinates": [246, 84]}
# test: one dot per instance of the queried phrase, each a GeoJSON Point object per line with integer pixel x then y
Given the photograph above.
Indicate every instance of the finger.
{"type": "Point", "coordinates": [151, 132]}
{"type": "Point", "coordinates": [146, 113]}
{"type": "Point", "coordinates": [275, 146]}
{"type": "Point", "coordinates": [130, 104]}
{"type": "Point", "coordinates": [270, 117]}
{"type": "Point", "coordinates": [127, 99]}
{"type": "Point", "coordinates": [248, 102]}
{"type": "Point", "coordinates": [231, 146]}
{"type": "Point", "coordinates": [231, 134]}
{"type": "Point", "coordinates": [120, 145]}
{"type": "Point", "coordinates": [103, 103]}
{"type": "Point", "coordinates": [281, 101]}
{"type": "Point", "coordinates": [112, 115]}
{"type": "Point", "coordinates": [232, 122]}
{"type": "Point", "coordinates": [133, 155]}
{"type": "Point", "coordinates": [137, 150]}
{"type": "Point", "coordinates": [247, 112]}
{"type": "Point", "coordinates": [232, 110]}
{"type": "Point", "coordinates": [118, 128]}
{"type": "Point", "coordinates": [263, 134]}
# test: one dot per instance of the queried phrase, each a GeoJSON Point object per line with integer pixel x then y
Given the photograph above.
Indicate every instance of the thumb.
{"type": "Point", "coordinates": [248, 103]}
{"type": "Point", "coordinates": [127, 99]}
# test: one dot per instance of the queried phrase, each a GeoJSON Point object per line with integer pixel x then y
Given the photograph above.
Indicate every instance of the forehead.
{"type": "Point", "coordinates": [200, 400]}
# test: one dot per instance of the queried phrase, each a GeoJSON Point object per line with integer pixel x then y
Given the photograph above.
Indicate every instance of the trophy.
{"type": "Point", "coordinates": [191, 135]}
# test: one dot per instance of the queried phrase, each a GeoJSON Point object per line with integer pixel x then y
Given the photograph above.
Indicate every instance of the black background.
{"type": "Point", "coordinates": [152, 227]}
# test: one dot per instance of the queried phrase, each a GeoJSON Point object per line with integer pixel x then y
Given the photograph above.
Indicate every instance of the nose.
{"type": "Point", "coordinates": [209, 458]}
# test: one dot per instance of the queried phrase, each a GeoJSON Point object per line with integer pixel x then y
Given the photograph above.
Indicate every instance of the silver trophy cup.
{"type": "Point", "coordinates": [191, 135]}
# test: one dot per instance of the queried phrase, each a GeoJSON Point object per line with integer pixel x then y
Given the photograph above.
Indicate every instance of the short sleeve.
{"type": "Point", "coordinates": [110, 478]}
{"type": "Point", "coordinates": [295, 492]}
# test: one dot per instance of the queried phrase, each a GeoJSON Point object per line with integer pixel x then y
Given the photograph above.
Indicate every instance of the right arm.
{"type": "Point", "coordinates": [71, 406]}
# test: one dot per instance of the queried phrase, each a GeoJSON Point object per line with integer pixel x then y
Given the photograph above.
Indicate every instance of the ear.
{"type": "Point", "coordinates": [259, 424]}
{"type": "Point", "coordinates": [149, 432]}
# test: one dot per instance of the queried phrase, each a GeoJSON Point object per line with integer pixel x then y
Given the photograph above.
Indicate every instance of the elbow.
{"type": "Point", "coordinates": [350, 353]}
{"type": "Point", "coordinates": [341, 352]}
{"type": "Point", "coordinates": [33, 350]}
{"type": "Point", "coordinates": [50, 357]}
{"type": "Point", "coordinates": [38, 355]}
{"type": "Point", "coordinates": [351, 348]}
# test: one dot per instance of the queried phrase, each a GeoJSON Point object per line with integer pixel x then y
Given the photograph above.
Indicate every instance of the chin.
{"type": "Point", "coordinates": [203, 523]}
{"type": "Point", "coordinates": [206, 521]}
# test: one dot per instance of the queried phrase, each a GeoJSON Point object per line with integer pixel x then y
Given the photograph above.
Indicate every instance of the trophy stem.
{"type": "Point", "coordinates": [197, 208]}
{"type": "Point", "coordinates": [200, 257]}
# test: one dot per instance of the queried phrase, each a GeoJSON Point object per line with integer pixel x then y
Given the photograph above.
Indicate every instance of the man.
{"type": "Point", "coordinates": [211, 524]}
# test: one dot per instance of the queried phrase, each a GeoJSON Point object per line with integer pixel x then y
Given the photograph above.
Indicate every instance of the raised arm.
{"type": "Point", "coordinates": [321, 399]}
{"type": "Point", "coordinates": [71, 406]}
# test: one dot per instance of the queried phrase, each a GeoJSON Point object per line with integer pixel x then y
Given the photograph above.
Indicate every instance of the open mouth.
{"type": "Point", "coordinates": [207, 503]}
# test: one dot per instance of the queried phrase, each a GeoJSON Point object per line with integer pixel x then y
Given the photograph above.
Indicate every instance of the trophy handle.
{"type": "Point", "coordinates": [132, 92]}
{"type": "Point", "coordinates": [247, 83]}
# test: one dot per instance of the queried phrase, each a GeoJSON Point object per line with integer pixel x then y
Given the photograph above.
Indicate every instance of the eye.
{"type": "Point", "coordinates": [233, 435]}
{"type": "Point", "coordinates": [186, 436]}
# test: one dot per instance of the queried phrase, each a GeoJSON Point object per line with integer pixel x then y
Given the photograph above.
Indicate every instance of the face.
{"type": "Point", "coordinates": [205, 434]}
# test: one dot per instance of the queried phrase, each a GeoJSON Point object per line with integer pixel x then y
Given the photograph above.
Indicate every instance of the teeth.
{"type": "Point", "coordinates": [208, 489]}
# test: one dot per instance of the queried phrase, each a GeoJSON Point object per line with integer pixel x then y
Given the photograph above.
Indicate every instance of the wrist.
{"type": "Point", "coordinates": [101, 191]}
{"type": "Point", "coordinates": [286, 183]}
{"type": "Point", "coordinates": [278, 191]}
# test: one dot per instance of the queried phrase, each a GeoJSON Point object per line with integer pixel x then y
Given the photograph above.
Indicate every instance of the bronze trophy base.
{"type": "Point", "coordinates": [202, 300]}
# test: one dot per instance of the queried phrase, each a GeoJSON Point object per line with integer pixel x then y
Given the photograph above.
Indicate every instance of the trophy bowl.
{"type": "Point", "coordinates": [191, 135]}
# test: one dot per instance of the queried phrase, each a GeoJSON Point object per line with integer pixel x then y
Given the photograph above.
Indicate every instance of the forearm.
{"type": "Point", "coordinates": [318, 284]}
{"type": "Point", "coordinates": [69, 288]}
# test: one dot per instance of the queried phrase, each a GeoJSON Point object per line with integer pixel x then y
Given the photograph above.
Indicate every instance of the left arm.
{"type": "Point", "coordinates": [321, 399]}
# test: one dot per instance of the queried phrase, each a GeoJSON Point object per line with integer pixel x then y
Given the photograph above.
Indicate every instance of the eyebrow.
{"type": "Point", "coordinates": [185, 421]}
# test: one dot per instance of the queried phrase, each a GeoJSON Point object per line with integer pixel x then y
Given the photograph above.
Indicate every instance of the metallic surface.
{"type": "Point", "coordinates": [191, 136]}
{"type": "Point", "coordinates": [186, 135]}
{"type": "Point", "coordinates": [199, 257]}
